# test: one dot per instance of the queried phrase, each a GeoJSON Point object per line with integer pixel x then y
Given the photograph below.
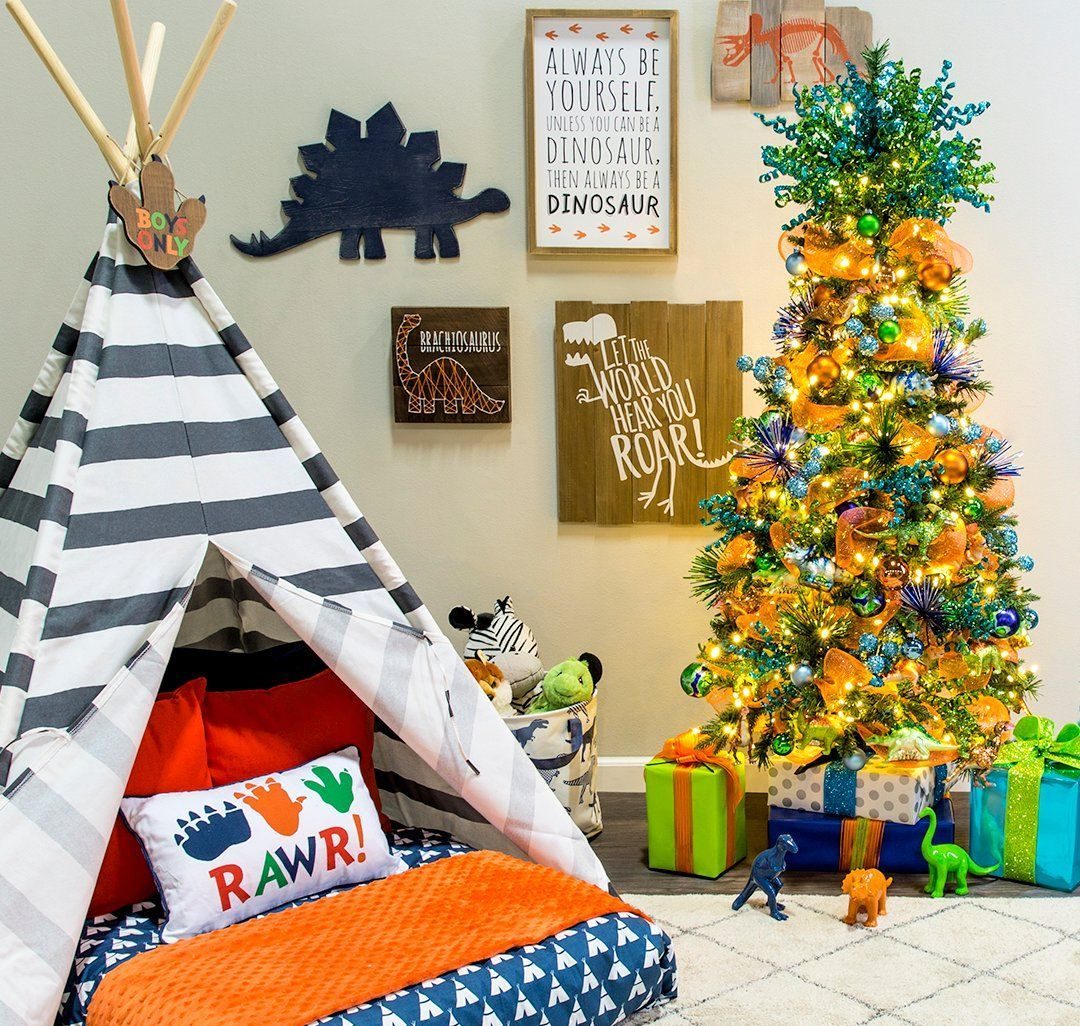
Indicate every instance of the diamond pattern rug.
{"type": "Point", "coordinates": [954, 962]}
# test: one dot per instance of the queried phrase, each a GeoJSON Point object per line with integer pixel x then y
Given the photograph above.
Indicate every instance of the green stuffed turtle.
{"type": "Point", "coordinates": [569, 683]}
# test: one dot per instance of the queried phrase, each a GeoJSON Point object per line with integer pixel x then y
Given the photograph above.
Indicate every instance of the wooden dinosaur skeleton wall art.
{"type": "Point", "coordinates": [762, 48]}
{"type": "Point", "coordinates": [359, 182]}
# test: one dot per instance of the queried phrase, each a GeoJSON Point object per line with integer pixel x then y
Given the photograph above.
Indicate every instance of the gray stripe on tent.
{"type": "Point", "coordinates": [407, 600]}
{"type": "Point", "coordinates": [19, 669]}
{"type": "Point", "coordinates": [21, 507]}
{"type": "Point", "coordinates": [8, 1017]}
{"type": "Point", "coordinates": [40, 582]}
{"type": "Point", "coordinates": [67, 338]}
{"type": "Point", "coordinates": [189, 271]}
{"type": "Point", "coordinates": [89, 347]}
{"type": "Point", "coordinates": [264, 511]}
{"type": "Point", "coordinates": [231, 639]}
{"type": "Point", "coordinates": [361, 533]}
{"type": "Point", "coordinates": [321, 473]}
{"type": "Point", "coordinates": [35, 407]}
{"type": "Point", "coordinates": [210, 589]}
{"type": "Point", "coordinates": [387, 780]}
{"type": "Point", "coordinates": [337, 580]}
{"type": "Point", "coordinates": [329, 634]}
{"type": "Point", "coordinates": [35, 930]}
{"type": "Point", "coordinates": [11, 594]}
{"type": "Point", "coordinates": [279, 408]}
{"type": "Point", "coordinates": [392, 697]}
{"type": "Point", "coordinates": [60, 820]}
{"type": "Point", "coordinates": [234, 340]}
{"type": "Point", "coordinates": [141, 279]}
{"type": "Point", "coordinates": [71, 427]}
{"type": "Point", "coordinates": [8, 466]}
{"type": "Point", "coordinates": [162, 359]}
{"type": "Point", "coordinates": [102, 739]}
{"type": "Point", "coordinates": [103, 614]}
{"type": "Point", "coordinates": [59, 710]}
{"type": "Point", "coordinates": [174, 438]}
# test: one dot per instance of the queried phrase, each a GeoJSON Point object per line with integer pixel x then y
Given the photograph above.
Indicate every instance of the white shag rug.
{"type": "Point", "coordinates": [966, 961]}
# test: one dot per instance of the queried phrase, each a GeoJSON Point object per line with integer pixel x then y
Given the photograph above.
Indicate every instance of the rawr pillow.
{"type": "Point", "coordinates": [229, 853]}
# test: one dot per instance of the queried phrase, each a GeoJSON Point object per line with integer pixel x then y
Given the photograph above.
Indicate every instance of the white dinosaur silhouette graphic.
{"type": "Point", "coordinates": [602, 329]}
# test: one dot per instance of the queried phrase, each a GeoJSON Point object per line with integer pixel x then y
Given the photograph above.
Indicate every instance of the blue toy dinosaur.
{"type": "Point", "coordinates": [765, 873]}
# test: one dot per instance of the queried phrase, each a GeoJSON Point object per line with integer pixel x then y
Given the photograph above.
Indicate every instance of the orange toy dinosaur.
{"type": "Point", "coordinates": [866, 890]}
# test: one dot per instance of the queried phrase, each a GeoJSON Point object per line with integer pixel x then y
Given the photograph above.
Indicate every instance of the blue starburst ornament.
{"type": "Point", "coordinates": [954, 362]}
{"type": "Point", "coordinates": [925, 601]}
{"type": "Point", "coordinates": [774, 453]}
{"type": "Point", "coordinates": [1000, 459]}
{"type": "Point", "coordinates": [792, 327]}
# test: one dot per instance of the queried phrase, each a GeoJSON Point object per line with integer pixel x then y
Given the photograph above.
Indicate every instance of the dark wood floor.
{"type": "Point", "coordinates": [622, 848]}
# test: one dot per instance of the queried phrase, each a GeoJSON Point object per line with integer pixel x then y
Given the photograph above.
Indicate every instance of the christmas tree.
{"type": "Point", "coordinates": [865, 584]}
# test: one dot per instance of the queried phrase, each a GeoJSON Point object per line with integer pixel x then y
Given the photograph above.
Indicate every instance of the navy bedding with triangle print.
{"type": "Point", "coordinates": [594, 974]}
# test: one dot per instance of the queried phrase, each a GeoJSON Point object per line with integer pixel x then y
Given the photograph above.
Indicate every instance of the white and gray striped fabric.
{"type": "Point", "coordinates": [158, 490]}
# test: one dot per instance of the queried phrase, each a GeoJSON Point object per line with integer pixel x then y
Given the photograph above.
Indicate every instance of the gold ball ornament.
{"type": "Point", "coordinates": [823, 371]}
{"type": "Point", "coordinates": [893, 572]}
{"type": "Point", "coordinates": [954, 466]}
{"type": "Point", "coordinates": [934, 273]}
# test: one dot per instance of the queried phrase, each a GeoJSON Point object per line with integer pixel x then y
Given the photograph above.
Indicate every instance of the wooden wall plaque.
{"type": "Point", "coordinates": [761, 48]}
{"type": "Point", "coordinates": [645, 395]}
{"type": "Point", "coordinates": [451, 365]}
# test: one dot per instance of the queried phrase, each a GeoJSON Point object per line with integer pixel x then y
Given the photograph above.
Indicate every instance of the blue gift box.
{"type": "Point", "coordinates": [837, 843]}
{"type": "Point", "coordinates": [1056, 820]}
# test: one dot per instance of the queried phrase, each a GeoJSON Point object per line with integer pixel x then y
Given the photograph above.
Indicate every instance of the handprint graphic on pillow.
{"type": "Point", "coordinates": [163, 234]}
{"type": "Point", "coordinates": [271, 801]}
{"type": "Point", "coordinates": [336, 791]}
{"type": "Point", "coordinates": [206, 835]}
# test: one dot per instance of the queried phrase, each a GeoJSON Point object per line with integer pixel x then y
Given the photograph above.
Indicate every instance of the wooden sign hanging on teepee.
{"type": "Point", "coordinates": [161, 232]}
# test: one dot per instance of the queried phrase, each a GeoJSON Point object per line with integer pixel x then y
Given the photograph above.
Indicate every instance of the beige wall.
{"type": "Point", "coordinates": [470, 512]}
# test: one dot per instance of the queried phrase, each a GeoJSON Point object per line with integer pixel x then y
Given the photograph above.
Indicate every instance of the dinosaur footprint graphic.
{"type": "Point", "coordinates": [336, 791]}
{"type": "Point", "coordinates": [205, 835]}
{"type": "Point", "coordinates": [271, 801]}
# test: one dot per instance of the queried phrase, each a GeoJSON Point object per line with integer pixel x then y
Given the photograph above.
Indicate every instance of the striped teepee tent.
{"type": "Point", "coordinates": [159, 491]}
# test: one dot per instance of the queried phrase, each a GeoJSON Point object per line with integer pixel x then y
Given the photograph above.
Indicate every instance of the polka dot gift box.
{"type": "Point", "coordinates": [889, 791]}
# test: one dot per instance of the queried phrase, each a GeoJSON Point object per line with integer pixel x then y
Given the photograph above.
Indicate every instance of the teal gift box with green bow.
{"type": "Point", "coordinates": [1027, 819]}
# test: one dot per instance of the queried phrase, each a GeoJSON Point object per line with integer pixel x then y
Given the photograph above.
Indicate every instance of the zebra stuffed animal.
{"type": "Point", "coordinates": [506, 640]}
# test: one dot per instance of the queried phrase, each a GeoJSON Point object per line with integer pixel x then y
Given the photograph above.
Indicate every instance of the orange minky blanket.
{"type": "Point", "coordinates": [293, 967]}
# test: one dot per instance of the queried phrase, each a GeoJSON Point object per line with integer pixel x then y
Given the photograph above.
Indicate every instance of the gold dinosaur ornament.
{"type": "Point", "coordinates": [161, 232]}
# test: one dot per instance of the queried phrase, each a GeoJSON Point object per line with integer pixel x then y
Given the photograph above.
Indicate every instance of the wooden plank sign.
{"type": "Point", "coordinates": [645, 395]}
{"type": "Point", "coordinates": [451, 365]}
{"type": "Point", "coordinates": [762, 48]}
{"type": "Point", "coordinates": [601, 104]}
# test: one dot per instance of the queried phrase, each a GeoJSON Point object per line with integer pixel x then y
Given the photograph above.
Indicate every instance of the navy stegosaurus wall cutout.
{"type": "Point", "coordinates": [359, 183]}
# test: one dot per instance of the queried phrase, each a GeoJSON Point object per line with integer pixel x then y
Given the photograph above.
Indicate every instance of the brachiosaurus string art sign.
{"type": "Point", "coordinates": [360, 182]}
{"type": "Point", "coordinates": [451, 365]}
{"type": "Point", "coordinates": [763, 48]}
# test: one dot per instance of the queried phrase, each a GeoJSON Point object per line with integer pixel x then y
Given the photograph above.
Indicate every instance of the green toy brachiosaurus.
{"type": "Point", "coordinates": [945, 860]}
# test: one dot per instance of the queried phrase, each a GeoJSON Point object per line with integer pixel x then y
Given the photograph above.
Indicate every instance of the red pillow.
{"type": "Point", "coordinates": [171, 757]}
{"type": "Point", "coordinates": [254, 732]}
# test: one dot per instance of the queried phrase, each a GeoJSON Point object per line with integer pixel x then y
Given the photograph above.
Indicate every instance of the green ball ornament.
{"type": "Point", "coordinates": [888, 331]}
{"type": "Point", "coordinates": [868, 226]}
{"type": "Point", "coordinates": [866, 600]}
{"type": "Point", "coordinates": [783, 744]}
{"type": "Point", "coordinates": [693, 679]}
{"type": "Point", "coordinates": [766, 561]}
{"type": "Point", "coordinates": [973, 509]}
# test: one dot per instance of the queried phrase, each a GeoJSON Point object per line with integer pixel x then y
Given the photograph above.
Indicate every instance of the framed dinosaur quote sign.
{"type": "Point", "coordinates": [645, 395]}
{"type": "Point", "coordinates": [601, 100]}
{"type": "Point", "coordinates": [763, 48]}
{"type": "Point", "coordinates": [451, 365]}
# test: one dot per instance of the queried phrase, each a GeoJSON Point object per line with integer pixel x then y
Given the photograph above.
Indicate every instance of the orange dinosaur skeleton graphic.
{"type": "Point", "coordinates": [786, 39]}
{"type": "Point", "coordinates": [444, 380]}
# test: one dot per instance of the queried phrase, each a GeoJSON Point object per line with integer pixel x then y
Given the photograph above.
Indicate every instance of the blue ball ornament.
{"type": "Point", "coordinates": [1006, 623]}
{"type": "Point", "coordinates": [1031, 619]}
{"type": "Point", "coordinates": [939, 425]}
{"type": "Point", "coordinates": [796, 264]}
{"type": "Point", "coordinates": [912, 648]}
{"type": "Point", "coordinates": [865, 600]}
{"type": "Point", "coordinates": [802, 675]}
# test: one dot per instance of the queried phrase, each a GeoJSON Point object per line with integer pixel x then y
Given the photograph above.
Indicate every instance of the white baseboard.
{"type": "Point", "coordinates": [625, 773]}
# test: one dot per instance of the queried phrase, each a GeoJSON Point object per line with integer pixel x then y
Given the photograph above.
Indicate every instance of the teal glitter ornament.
{"type": "Point", "coordinates": [783, 744]}
{"type": "Point", "coordinates": [888, 330]}
{"type": "Point", "coordinates": [868, 225]}
{"type": "Point", "coordinates": [693, 679]}
{"type": "Point", "coordinates": [866, 600]}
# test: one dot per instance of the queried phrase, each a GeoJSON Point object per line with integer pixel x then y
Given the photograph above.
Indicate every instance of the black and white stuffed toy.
{"type": "Point", "coordinates": [503, 638]}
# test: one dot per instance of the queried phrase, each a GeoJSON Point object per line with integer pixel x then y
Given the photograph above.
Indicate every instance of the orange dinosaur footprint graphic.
{"type": "Point", "coordinates": [271, 801]}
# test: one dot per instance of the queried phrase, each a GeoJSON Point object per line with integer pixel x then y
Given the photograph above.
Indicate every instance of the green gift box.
{"type": "Point", "coordinates": [696, 814]}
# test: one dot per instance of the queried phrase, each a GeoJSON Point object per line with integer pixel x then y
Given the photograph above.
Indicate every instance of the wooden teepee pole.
{"type": "Point", "coordinates": [191, 81]}
{"type": "Point", "coordinates": [109, 149]}
{"type": "Point", "coordinates": [149, 68]}
{"type": "Point", "coordinates": [132, 74]}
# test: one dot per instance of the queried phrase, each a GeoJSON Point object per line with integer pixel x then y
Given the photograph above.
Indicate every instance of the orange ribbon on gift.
{"type": "Point", "coordinates": [684, 751]}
